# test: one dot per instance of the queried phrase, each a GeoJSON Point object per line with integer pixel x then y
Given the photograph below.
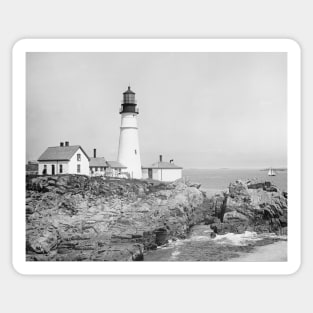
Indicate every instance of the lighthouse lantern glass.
{"type": "Point", "coordinates": [129, 98]}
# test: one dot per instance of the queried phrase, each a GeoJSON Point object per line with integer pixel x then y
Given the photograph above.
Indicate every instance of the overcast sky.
{"type": "Point", "coordinates": [204, 110]}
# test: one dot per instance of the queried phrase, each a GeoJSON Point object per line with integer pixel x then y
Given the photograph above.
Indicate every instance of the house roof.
{"type": "Point", "coordinates": [115, 164]}
{"type": "Point", "coordinates": [58, 153]}
{"type": "Point", "coordinates": [98, 162]}
{"type": "Point", "coordinates": [163, 165]}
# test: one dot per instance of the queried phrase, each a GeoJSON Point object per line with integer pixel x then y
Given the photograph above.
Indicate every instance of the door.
{"type": "Point", "coordinates": [52, 169]}
{"type": "Point", "coordinates": [150, 173]}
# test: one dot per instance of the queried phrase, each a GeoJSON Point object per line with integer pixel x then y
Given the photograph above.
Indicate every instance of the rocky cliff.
{"type": "Point", "coordinates": [80, 218]}
{"type": "Point", "coordinates": [249, 205]}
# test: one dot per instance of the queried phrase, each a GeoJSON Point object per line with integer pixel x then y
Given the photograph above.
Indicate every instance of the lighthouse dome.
{"type": "Point", "coordinates": [128, 91]}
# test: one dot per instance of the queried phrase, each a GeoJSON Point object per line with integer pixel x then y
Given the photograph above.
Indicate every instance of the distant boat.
{"type": "Point", "coordinates": [271, 172]}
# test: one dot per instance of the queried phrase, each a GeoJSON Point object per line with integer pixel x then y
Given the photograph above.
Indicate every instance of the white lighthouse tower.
{"type": "Point", "coordinates": [128, 150]}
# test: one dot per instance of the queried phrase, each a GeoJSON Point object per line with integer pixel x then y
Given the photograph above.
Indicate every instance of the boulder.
{"type": "Point", "coordinates": [44, 242]}
{"type": "Point", "coordinates": [234, 217]}
{"type": "Point", "coordinates": [161, 236]}
{"type": "Point", "coordinates": [209, 219]}
{"type": "Point", "coordinates": [250, 205]}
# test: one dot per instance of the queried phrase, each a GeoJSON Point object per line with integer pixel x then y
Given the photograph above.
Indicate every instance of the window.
{"type": "Point", "coordinates": [61, 169]}
{"type": "Point", "coordinates": [78, 156]}
{"type": "Point", "coordinates": [135, 151]}
{"type": "Point", "coordinates": [78, 168]}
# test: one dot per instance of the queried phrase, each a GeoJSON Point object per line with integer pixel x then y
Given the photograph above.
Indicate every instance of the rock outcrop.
{"type": "Point", "coordinates": [78, 218]}
{"type": "Point", "coordinates": [249, 205]}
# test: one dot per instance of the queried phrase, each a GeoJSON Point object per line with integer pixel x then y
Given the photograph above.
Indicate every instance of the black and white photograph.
{"type": "Point", "coordinates": [156, 157]}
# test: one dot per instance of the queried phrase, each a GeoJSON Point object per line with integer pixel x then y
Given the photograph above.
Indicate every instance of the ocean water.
{"type": "Point", "coordinates": [247, 247]}
{"type": "Point", "coordinates": [219, 179]}
{"type": "Point", "coordinates": [199, 246]}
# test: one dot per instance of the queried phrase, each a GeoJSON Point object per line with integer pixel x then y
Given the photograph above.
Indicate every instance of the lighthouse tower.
{"type": "Point", "coordinates": [128, 150]}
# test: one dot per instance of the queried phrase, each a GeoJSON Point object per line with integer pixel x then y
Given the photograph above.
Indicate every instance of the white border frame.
{"type": "Point", "coordinates": [156, 45]}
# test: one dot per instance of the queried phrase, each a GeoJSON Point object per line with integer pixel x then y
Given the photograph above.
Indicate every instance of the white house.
{"type": "Point", "coordinates": [97, 165]}
{"type": "Point", "coordinates": [163, 171]}
{"type": "Point", "coordinates": [63, 159]}
{"type": "Point", "coordinates": [116, 169]}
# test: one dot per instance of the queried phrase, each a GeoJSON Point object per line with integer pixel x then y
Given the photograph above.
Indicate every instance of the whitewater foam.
{"type": "Point", "coordinates": [237, 239]}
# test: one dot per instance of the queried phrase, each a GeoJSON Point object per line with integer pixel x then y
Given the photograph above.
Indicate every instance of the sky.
{"type": "Point", "coordinates": [204, 110]}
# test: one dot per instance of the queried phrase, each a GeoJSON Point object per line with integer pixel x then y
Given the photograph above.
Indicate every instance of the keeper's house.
{"type": "Point", "coordinates": [163, 171]}
{"type": "Point", "coordinates": [63, 159]}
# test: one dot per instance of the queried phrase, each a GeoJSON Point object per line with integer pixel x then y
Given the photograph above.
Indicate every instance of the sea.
{"type": "Point", "coordinates": [214, 180]}
{"type": "Point", "coordinates": [246, 247]}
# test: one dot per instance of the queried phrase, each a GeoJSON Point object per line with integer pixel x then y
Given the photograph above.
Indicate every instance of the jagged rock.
{"type": "Point", "coordinates": [161, 236]}
{"type": "Point", "coordinates": [46, 241]}
{"type": "Point", "coordinates": [106, 219]}
{"type": "Point", "coordinates": [234, 217]}
{"type": "Point", "coordinates": [259, 206]}
{"type": "Point", "coordinates": [80, 218]}
{"type": "Point", "coordinates": [208, 220]}
{"type": "Point", "coordinates": [213, 235]}
{"type": "Point", "coordinates": [196, 185]}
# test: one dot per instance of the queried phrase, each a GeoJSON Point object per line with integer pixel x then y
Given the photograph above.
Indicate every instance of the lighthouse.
{"type": "Point", "coordinates": [128, 150]}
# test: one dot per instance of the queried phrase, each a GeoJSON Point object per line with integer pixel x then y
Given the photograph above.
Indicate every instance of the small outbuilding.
{"type": "Point", "coordinates": [32, 168]}
{"type": "Point", "coordinates": [116, 169]}
{"type": "Point", "coordinates": [97, 165]}
{"type": "Point", "coordinates": [163, 171]}
{"type": "Point", "coordinates": [63, 159]}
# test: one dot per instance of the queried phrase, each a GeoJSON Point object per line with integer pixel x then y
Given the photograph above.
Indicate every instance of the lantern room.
{"type": "Point", "coordinates": [129, 102]}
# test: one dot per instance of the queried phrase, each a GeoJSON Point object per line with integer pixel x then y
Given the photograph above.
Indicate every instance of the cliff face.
{"type": "Point", "coordinates": [78, 218]}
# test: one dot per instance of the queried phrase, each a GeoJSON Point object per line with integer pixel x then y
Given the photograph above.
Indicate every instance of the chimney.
{"type": "Point", "coordinates": [94, 153]}
{"type": "Point", "coordinates": [161, 158]}
{"type": "Point", "coordinates": [61, 144]}
{"type": "Point", "coordinates": [67, 143]}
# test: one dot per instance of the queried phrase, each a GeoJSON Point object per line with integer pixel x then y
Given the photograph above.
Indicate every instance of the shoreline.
{"type": "Point", "coordinates": [248, 247]}
{"type": "Point", "coordinates": [273, 252]}
{"type": "Point", "coordinates": [78, 218]}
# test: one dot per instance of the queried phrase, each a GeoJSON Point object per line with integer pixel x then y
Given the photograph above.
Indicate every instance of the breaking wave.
{"type": "Point", "coordinates": [200, 246]}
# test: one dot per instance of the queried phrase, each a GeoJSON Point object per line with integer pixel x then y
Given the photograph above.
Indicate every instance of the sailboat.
{"type": "Point", "coordinates": [271, 172]}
